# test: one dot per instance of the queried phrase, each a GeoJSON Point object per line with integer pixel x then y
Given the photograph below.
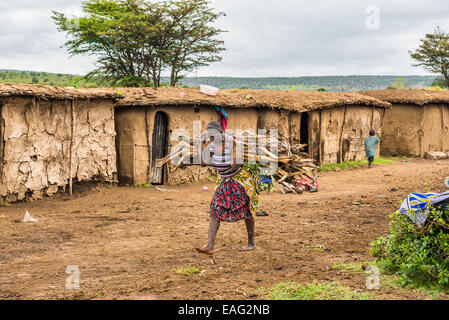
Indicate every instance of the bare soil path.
{"type": "Point", "coordinates": [127, 241]}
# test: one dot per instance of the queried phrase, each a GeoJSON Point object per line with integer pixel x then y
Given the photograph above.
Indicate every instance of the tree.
{"type": "Point", "coordinates": [433, 53]}
{"type": "Point", "coordinates": [191, 37]}
{"type": "Point", "coordinates": [399, 83]}
{"type": "Point", "coordinates": [440, 82]}
{"type": "Point", "coordinates": [135, 41]}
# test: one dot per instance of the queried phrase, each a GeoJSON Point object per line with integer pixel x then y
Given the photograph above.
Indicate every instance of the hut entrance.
{"type": "Point", "coordinates": [159, 147]}
{"type": "Point", "coordinates": [304, 134]}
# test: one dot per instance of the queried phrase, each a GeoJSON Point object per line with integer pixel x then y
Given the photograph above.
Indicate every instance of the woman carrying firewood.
{"type": "Point", "coordinates": [237, 196]}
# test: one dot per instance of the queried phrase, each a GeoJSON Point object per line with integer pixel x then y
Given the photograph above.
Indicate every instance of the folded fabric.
{"type": "Point", "coordinates": [417, 205]}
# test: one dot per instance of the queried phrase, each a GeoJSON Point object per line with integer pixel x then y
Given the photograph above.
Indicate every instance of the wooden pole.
{"type": "Point", "coordinates": [309, 133]}
{"type": "Point", "coordinates": [134, 164]}
{"type": "Point", "coordinates": [320, 151]}
{"type": "Point", "coordinates": [72, 125]}
{"type": "Point", "coordinates": [383, 119]}
{"type": "Point", "coordinates": [341, 136]}
{"type": "Point", "coordinates": [421, 132]}
{"type": "Point", "coordinates": [147, 129]}
{"type": "Point", "coordinates": [444, 124]}
{"type": "Point", "coordinates": [442, 128]}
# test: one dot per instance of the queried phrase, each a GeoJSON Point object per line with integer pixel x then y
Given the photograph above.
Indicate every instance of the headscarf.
{"type": "Point", "coordinates": [214, 129]}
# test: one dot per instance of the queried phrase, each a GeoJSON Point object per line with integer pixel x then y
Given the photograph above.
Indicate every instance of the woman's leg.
{"type": "Point", "coordinates": [213, 229]}
{"type": "Point", "coordinates": [370, 162]}
{"type": "Point", "coordinates": [250, 226]}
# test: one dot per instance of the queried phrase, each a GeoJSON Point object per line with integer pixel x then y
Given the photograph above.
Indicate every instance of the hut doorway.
{"type": "Point", "coordinates": [304, 131]}
{"type": "Point", "coordinates": [159, 147]}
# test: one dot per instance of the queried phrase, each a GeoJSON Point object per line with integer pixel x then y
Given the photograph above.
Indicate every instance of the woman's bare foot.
{"type": "Point", "coordinates": [249, 247]}
{"type": "Point", "coordinates": [205, 250]}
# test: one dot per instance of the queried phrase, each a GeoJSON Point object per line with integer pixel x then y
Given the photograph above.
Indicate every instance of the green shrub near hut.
{"type": "Point", "coordinates": [416, 254]}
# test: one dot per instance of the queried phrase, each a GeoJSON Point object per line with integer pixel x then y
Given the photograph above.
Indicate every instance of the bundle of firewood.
{"type": "Point", "coordinates": [299, 166]}
{"type": "Point", "coordinates": [292, 163]}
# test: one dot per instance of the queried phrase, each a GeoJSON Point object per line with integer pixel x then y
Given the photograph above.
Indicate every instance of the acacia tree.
{"type": "Point", "coordinates": [433, 54]}
{"type": "Point", "coordinates": [191, 37]}
{"type": "Point", "coordinates": [135, 41]}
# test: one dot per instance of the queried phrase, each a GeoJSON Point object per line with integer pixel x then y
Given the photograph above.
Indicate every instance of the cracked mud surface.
{"type": "Point", "coordinates": [37, 153]}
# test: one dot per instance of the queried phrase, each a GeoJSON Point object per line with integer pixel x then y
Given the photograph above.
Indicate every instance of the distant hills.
{"type": "Point", "coordinates": [329, 83]}
{"type": "Point", "coordinates": [45, 78]}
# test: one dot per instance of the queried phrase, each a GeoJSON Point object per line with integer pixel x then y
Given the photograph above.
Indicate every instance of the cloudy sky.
{"type": "Point", "coordinates": [264, 38]}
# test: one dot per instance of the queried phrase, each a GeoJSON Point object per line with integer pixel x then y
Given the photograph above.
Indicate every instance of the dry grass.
{"type": "Point", "coordinates": [298, 100]}
{"type": "Point", "coordinates": [410, 96]}
{"type": "Point", "coordinates": [55, 93]}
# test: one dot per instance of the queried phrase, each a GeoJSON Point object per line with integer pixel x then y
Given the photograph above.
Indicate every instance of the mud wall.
{"type": "Point", "coordinates": [131, 142]}
{"type": "Point", "coordinates": [135, 126]}
{"type": "Point", "coordinates": [94, 151]}
{"type": "Point", "coordinates": [411, 130]}
{"type": "Point", "coordinates": [40, 149]}
{"type": "Point", "coordinates": [295, 127]}
{"type": "Point", "coordinates": [288, 123]}
{"type": "Point", "coordinates": [269, 119]}
{"type": "Point", "coordinates": [338, 134]}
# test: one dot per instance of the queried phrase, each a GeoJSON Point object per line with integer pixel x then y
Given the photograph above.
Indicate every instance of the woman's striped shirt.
{"type": "Point", "coordinates": [223, 162]}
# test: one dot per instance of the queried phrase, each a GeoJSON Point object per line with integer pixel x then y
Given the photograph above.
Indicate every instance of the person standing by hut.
{"type": "Point", "coordinates": [371, 147]}
{"type": "Point", "coordinates": [237, 196]}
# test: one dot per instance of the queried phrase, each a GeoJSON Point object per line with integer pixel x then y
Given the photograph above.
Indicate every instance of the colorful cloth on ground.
{"type": "Point", "coordinates": [223, 117]}
{"type": "Point", "coordinates": [307, 183]}
{"type": "Point", "coordinates": [416, 205]}
{"type": "Point", "coordinates": [371, 146]}
{"type": "Point", "coordinates": [235, 198]}
{"type": "Point", "coordinates": [266, 180]}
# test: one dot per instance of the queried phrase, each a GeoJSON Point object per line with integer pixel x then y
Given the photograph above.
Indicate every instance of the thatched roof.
{"type": "Point", "coordinates": [125, 97]}
{"type": "Point", "coordinates": [54, 93]}
{"type": "Point", "coordinates": [299, 100]}
{"type": "Point", "coordinates": [410, 96]}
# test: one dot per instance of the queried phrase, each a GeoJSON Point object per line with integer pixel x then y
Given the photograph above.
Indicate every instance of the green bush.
{"type": "Point", "coordinates": [416, 254]}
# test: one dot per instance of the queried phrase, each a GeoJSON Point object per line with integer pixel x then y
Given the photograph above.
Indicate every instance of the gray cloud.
{"type": "Point", "coordinates": [265, 38]}
{"type": "Point", "coordinates": [29, 39]}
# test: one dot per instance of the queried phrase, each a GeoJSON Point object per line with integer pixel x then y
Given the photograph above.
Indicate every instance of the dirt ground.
{"type": "Point", "coordinates": [127, 241]}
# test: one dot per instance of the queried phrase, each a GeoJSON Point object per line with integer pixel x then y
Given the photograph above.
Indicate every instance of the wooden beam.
{"type": "Point", "coordinates": [421, 132]}
{"type": "Point", "coordinates": [341, 136]}
{"type": "Point", "coordinates": [442, 128]}
{"type": "Point", "coordinates": [72, 125]}
{"type": "Point", "coordinates": [147, 129]}
{"type": "Point", "coordinates": [320, 150]}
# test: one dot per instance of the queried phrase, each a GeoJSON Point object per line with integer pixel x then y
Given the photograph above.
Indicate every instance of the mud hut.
{"type": "Point", "coordinates": [417, 123]}
{"type": "Point", "coordinates": [334, 125]}
{"type": "Point", "coordinates": [51, 138]}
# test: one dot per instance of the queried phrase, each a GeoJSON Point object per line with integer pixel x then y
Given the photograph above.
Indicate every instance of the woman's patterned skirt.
{"type": "Point", "coordinates": [235, 198]}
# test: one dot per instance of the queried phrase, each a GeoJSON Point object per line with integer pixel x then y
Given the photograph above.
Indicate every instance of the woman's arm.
{"type": "Point", "coordinates": [205, 156]}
